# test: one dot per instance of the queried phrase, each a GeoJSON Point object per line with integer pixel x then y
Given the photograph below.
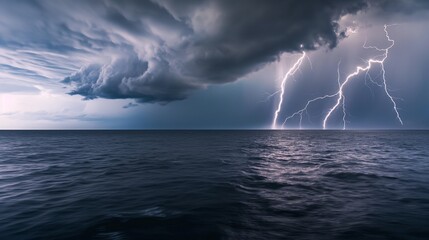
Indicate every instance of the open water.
{"type": "Point", "coordinates": [214, 185]}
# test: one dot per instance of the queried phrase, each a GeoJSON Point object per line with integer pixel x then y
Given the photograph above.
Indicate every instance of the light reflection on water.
{"type": "Point", "coordinates": [214, 185]}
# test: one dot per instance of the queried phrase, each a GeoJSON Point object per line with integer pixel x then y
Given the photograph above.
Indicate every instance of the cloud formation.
{"type": "Point", "coordinates": [181, 46]}
{"type": "Point", "coordinates": [159, 51]}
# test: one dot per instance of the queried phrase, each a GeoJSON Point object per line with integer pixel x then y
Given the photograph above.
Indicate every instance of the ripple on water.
{"type": "Point", "coordinates": [214, 185]}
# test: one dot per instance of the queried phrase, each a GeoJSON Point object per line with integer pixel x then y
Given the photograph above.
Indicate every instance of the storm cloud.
{"type": "Point", "coordinates": [160, 51]}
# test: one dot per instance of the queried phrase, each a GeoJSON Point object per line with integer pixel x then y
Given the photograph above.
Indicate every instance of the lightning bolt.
{"type": "Point", "coordinates": [359, 69]}
{"type": "Point", "coordinates": [305, 109]}
{"type": "Point", "coordinates": [291, 72]}
{"type": "Point", "coordinates": [379, 59]}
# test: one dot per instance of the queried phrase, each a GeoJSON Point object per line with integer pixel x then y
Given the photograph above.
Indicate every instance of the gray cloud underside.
{"type": "Point", "coordinates": [159, 51]}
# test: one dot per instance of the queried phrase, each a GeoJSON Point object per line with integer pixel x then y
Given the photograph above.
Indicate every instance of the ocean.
{"type": "Point", "coordinates": [214, 185]}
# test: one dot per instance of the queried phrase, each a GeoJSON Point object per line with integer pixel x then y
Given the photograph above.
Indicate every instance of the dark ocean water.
{"type": "Point", "coordinates": [214, 185]}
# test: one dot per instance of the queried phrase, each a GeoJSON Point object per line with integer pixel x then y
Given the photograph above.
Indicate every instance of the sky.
{"type": "Point", "coordinates": [213, 64]}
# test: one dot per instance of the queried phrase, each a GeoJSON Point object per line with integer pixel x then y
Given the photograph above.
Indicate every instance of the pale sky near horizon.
{"type": "Point", "coordinates": [209, 64]}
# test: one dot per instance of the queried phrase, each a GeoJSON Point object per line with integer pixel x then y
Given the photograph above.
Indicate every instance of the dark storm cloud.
{"type": "Point", "coordinates": [158, 51]}
{"type": "Point", "coordinates": [244, 35]}
{"type": "Point", "coordinates": [130, 105]}
{"type": "Point", "coordinates": [130, 77]}
{"type": "Point", "coordinates": [196, 43]}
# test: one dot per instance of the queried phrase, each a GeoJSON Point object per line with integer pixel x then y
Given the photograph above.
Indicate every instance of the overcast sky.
{"type": "Point", "coordinates": [210, 64]}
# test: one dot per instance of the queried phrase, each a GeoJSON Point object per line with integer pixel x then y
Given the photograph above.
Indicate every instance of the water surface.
{"type": "Point", "coordinates": [214, 185]}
